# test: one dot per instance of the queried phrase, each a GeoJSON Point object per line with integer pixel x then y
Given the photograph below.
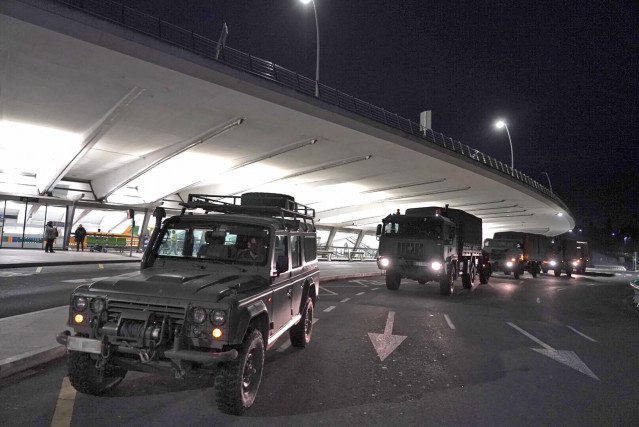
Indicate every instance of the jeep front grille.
{"type": "Point", "coordinates": [176, 313]}
{"type": "Point", "coordinates": [410, 249]}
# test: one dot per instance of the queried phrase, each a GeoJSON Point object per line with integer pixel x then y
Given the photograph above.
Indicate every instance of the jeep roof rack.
{"type": "Point", "coordinates": [259, 204]}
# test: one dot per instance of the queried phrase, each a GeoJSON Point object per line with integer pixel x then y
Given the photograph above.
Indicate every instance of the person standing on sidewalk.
{"type": "Point", "coordinates": [50, 233]}
{"type": "Point", "coordinates": [80, 234]}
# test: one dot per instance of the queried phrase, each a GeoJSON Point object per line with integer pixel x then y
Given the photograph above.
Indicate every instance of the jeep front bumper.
{"type": "Point", "coordinates": [90, 345]}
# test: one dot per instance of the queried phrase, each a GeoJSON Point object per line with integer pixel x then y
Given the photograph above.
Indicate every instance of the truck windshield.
{"type": "Point", "coordinates": [502, 244]}
{"type": "Point", "coordinates": [429, 228]}
{"type": "Point", "coordinates": [228, 243]}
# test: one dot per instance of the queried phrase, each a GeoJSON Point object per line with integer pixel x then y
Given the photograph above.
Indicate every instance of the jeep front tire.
{"type": "Point", "coordinates": [237, 382]}
{"type": "Point", "coordinates": [86, 378]}
{"type": "Point", "coordinates": [393, 280]}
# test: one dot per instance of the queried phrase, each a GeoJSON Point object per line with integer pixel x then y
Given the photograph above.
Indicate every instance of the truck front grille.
{"type": "Point", "coordinates": [176, 313]}
{"type": "Point", "coordinates": [410, 249]}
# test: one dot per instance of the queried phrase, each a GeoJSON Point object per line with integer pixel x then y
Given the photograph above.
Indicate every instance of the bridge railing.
{"type": "Point", "coordinates": [156, 27]}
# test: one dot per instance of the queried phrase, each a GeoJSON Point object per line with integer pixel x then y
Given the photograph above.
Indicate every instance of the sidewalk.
{"type": "Point", "coordinates": [28, 340]}
{"type": "Point", "coordinates": [19, 258]}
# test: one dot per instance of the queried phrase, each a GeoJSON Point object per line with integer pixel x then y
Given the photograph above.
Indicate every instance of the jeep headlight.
{"type": "Point", "coordinates": [553, 263]}
{"type": "Point", "coordinates": [436, 265]}
{"type": "Point", "coordinates": [198, 315]}
{"type": "Point", "coordinates": [509, 264]}
{"type": "Point", "coordinates": [575, 263]}
{"type": "Point", "coordinates": [79, 303]}
{"type": "Point", "coordinates": [218, 317]}
{"type": "Point", "coordinates": [97, 305]}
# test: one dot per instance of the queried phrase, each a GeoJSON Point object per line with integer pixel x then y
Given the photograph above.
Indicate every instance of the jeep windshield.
{"type": "Point", "coordinates": [221, 242]}
{"type": "Point", "coordinates": [414, 227]}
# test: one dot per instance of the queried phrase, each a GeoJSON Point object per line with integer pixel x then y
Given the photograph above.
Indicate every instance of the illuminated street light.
{"type": "Point", "coordinates": [502, 124]}
{"type": "Point", "coordinates": [318, 46]}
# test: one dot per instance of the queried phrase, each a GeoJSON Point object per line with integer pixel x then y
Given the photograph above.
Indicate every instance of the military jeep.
{"type": "Point", "coordinates": [217, 286]}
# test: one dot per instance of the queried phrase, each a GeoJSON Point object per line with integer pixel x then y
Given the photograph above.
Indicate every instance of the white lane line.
{"type": "Point", "coordinates": [521, 282]}
{"type": "Point", "coordinates": [39, 269]}
{"type": "Point", "coordinates": [315, 319]}
{"type": "Point", "coordinates": [64, 406]}
{"type": "Point", "coordinates": [374, 289]}
{"type": "Point", "coordinates": [582, 334]}
{"type": "Point", "coordinates": [538, 300]}
{"type": "Point", "coordinates": [329, 309]}
{"type": "Point", "coordinates": [283, 347]}
{"type": "Point", "coordinates": [100, 265]}
{"type": "Point", "coordinates": [327, 290]}
{"type": "Point", "coordinates": [361, 293]}
{"type": "Point", "coordinates": [491, 285]}
{"type": "Point", "coordinates": [532, 337]}
{"type": "Point", "coordinates": [345, 300]}
{"type": "Point", "coordinates": [450, 323]}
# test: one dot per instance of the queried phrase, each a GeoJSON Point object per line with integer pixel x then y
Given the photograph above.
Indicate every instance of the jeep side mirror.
{"type": "Point", "coordinates": [281, 264]}
{"type": "Point", "coordinates": [379, 230]}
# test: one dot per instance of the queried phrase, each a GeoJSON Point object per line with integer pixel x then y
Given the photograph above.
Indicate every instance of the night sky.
{"type": "Point", "coordinates": [563, 74]}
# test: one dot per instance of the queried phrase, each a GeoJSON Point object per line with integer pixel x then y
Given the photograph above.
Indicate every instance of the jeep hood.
{"type": "Point", "coordinates": [179, 284]}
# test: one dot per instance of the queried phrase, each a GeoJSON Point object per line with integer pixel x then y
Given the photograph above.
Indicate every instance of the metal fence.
{"type": "Point", "coordinates": [155, 27]}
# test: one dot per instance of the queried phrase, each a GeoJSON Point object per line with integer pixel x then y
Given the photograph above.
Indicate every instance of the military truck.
{"type": "Point", "coordinates": [431, 244]}
{"type": "Point", "coordinates": [244, 274]}
{"type": "Point", "coordinates": [516, 252]}
{"type": "Point", "coordinates": [565, 256]}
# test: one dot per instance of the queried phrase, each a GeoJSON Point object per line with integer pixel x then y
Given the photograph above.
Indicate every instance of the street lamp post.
{"type": "Point", "coordinates": [318, 46]}
{"type": "Point", "coordinates": [549, 184]}
{"type": "Point", "coordinates": [502, 124]}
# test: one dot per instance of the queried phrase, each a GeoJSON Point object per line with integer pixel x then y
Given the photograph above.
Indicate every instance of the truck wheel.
{"type": "Point", "coordinates": [85, 377]}
{"type": "Point", "coordinates": [544, 270]}
{"type": "Point", "coordinates": [483, 277]}
{"type": "Point", "coordinates": [466, 282]}
{"type": "Point", "coordinates": [534, 269]}
{"type": "Point", "coordinates": [507, 272]}
{"type": "Point", "coordinates": [516, 273]}
{"type": "Point", "coordinates": [569, 272]}
{"type": "Point", "coordinates": [300, 334]}
{"type": "Point", "coordinates": [447, 283]}
{"type": "Point", "coordinates": [393, 280]}
{"type": "Point", "coordinates": [237, 382]}
{"type": "Point", "coordinates": [557, 272]}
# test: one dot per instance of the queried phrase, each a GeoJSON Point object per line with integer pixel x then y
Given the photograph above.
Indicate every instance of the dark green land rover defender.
{"type": "Point", "coordinates": [218, 285]}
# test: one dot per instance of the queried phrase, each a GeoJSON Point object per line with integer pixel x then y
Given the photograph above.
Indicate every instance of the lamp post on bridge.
{"type": "Point", "coordinates": [502, 124]}
{"type": "Point", "coordinates": [318, 46]}
{"type": "Point", "coordinates": [549, 184]}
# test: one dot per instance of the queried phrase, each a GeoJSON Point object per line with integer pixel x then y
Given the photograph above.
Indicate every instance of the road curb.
{"type": "Point", "coordinates": [350, 276]}
{"type": "Point", "coordinates": [14, 364]}
{"type": "Point", "coordinates": [59, 263]}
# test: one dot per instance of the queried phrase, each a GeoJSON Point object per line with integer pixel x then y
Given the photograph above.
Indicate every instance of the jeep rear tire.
{"type": "Point", "coordinates": [237, 382]}
{"type": "Point", "coordinates": [300, 334]}
{"type": "Point", "coordinates": [85, 377]}
{"type": "Point", "coordinates": [393, 280]}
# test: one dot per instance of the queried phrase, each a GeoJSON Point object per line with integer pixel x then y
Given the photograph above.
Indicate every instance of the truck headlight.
{"type": "Point", "coordinates": [79, 303]}
{"type": "Point", "coordinates": [436, 265]}
{"type": "Point", "coordinates": [575, 263]}
{"type": "Point", "coordinates": [218, 317]}
{"type": "Point", "coordinates": [198, 315]}
{"type": "Point", "coordinates": [553, 263]}
{"type": "Point", "coordinates": [384, 262]}
{"type": "Point", "coordinates": [509, 264]}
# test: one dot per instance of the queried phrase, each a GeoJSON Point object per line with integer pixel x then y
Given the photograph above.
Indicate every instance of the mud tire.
{"type": "Point", "coordinates": [85, 377]}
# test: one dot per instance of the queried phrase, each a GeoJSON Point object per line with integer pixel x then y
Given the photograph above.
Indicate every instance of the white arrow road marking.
{"type": "Point", "coordinates": [386, 343]}
{"type": "Point", "coordinates": [39, 269]}
{"type": "Point", "coordinates": [450, 323]}
{"type": "Point", "coordinates": [582, 334]}
{"type": "Point", "coordinates": [345, 300]}
{"type": "Point", "coordinates": [361, 293]}
{"type": "Point", "coordinates": [323, 288]}
{"type": "Point", "coordinates": [568, 358]}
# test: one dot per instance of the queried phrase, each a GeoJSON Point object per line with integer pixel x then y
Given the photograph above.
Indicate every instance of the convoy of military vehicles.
{"type": "Point", "coordinates": [222, 281]}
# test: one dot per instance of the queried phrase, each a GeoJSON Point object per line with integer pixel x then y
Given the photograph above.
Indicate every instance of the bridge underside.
{"type": "Point", "coordinates": [143, 121]}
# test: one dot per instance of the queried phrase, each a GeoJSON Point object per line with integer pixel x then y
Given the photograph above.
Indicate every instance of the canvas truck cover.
{"type": "Point", "coordinates": [535, 246]}
{"type": "Point", "coordinates": [468, 226]}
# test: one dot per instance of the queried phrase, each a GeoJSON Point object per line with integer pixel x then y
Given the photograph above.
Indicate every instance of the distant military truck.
{"type": "Point", "coordinates": [212, 303]}
{"type": "Point", "coordinates": [431, 244]}
{"type": "Point", "coordinates": [516, 252]}
{"type": "Point", "coordinates": [567, 255]}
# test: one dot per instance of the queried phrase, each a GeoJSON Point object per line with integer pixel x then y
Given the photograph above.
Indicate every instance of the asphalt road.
{"type": "Point", "coordinates": [546, 351]}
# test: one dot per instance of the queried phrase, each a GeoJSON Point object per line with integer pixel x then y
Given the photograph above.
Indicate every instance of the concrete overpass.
{"type": "Point", "coordinates": [100, 99]}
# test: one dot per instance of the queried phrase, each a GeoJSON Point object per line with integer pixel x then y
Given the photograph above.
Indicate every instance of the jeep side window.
{"type": "Point", "coordinates": [296, 259]}
{"type": "Point", "coordinates": [310, 248]}
{"type": "Point", "coordinates": [281, 253]}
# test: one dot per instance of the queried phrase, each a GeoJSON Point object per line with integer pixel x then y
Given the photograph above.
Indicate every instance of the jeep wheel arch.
{"type": "Point", "coordinates": [256, 314]}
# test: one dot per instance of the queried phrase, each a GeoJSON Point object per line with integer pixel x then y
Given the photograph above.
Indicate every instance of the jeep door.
{"type": "Point", "coordinates": [296, 273]}
{"type": "Point", "coordinates": [282, 285]}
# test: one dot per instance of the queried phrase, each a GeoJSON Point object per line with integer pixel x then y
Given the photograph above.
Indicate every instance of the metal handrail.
{"type": "Point", "coordinates": [153, 26]}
